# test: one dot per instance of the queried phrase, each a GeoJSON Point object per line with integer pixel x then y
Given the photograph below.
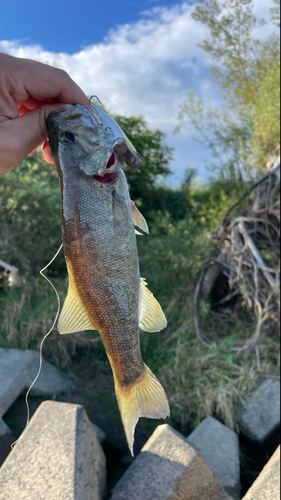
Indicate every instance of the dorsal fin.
{"type": "Point", "coordinates": [152, 318]}
{"type": "Point", "coordinates": [74, 316]}
{"type": "Point", "coordinates": [138, 218]}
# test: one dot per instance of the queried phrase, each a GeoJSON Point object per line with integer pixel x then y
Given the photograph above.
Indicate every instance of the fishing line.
{"type": "Point", "coordinates": [40, 355]}
{"type": "Point", "coordinates": [44, 338]}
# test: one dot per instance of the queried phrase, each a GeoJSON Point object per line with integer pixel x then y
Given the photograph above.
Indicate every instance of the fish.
{"type": "Point", "coordinates": [98, 219]}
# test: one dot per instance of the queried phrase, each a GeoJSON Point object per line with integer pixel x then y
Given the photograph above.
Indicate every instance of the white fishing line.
{"type": "Point", "coordinates": [40, 355]}
{"type": "Point", "coordinates": [44, 338]}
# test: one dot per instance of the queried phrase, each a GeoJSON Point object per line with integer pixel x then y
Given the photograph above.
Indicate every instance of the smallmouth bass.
{"type": "Point", "coordinates": [105, 290]}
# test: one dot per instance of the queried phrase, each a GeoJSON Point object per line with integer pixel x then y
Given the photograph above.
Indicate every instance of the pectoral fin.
{"type": "Point", "coordinates": [138, 218]}
{"type": "Point", "coordinates": [152, 318]}
{"type": "Point", "coordinates": [74, 316]}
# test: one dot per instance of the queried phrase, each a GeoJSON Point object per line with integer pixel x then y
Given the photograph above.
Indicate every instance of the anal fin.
{"type": "Point", "coordinates": [151, 316]}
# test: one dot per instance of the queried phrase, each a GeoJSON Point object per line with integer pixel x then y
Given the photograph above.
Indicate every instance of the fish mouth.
{"type": "Point", "coordinates": [111, 176]}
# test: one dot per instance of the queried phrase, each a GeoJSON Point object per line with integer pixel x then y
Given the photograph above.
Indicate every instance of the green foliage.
{"type": "Point", "coordinates": [27, 313]}
{"type": "Point", "coordinates": [266, 116]}
{"type": "Point", "coordinates": [247, 130]}
{"type": "Point", "coordinates": [145, 182]}
{"type": "Point", "coordinates": [231, 44]}
{"type": "Point", "coordinates": [210, 382]}
{"type": "Point", "coordinates": [175, 251]}
{"type": "Point", "coordinates": [154, 153]}
{"type": "Point", "coordinates": [30, 215]}
{"type": "Point", "coordinates": [275, 12]}
{"type": "Point", "coordinates": [205, 307]}
{"type": "Point", "coordinates": [221, 132]}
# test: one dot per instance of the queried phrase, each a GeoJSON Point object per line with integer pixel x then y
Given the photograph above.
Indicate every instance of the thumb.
{"type": "Point", "coordinates": [20, 136]}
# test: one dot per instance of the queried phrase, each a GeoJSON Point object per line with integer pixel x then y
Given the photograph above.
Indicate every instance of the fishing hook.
{"type": "Point", "coordinates": [107, 130]}
{"type": "Point", "coordinates": [92, 97]}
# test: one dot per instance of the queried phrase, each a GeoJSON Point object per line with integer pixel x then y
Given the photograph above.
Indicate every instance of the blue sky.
{"type": "Point", "coordinates": [139, 57]}
{"type": "Point", "coordinates": [67, 25]}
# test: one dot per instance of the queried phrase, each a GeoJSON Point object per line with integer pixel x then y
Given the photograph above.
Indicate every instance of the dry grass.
{"type": "Point", "coordinates": [200, 382]}
{"type": "Point", "coordinates": [205, 382]}
{"type": "Point", "coordinates": [27, 314]}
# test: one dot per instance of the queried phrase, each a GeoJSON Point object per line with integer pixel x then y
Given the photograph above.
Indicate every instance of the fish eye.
{"type": "Point", "coordinates": [67, 137]}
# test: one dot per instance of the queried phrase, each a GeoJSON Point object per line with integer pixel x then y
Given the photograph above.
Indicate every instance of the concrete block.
{"type": "Point", "coordinates": [260, 416]}
{"type": "Point", "coordinates": [18, 369]}
{"type": "Point", "coordinates": [220, 447]}
{"type": "Point", "coordinates": [168, 468]}
{"type": "Point", "coordinates": [267, 485]}
{"type": "Point", "coordinates": [58, 456]}
{"type": "Point", "coordinates": [15, 366]}
{"type": "Point", "coordinates": [51, 381]}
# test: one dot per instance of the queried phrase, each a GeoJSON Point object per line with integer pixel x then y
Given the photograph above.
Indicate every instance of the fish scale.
{"type": "Point", "coordinates": [105, 290]}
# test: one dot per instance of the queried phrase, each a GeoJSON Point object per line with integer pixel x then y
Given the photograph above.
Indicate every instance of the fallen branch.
{"type": "Point", "coordinates": [245, 241]}
{"type": "Point", "coordinates": [256, 219]}
{"type": "Point", "coordinates": [8, 267]}
{"type": "Point", "coordinates": [229, 297]}
{"type": "Point", "coordinates": [256, 254]}
{"type": "Point", "coordinates": [275, 167]}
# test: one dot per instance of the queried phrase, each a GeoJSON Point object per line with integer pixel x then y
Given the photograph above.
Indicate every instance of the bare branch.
{"type": "Point", "coordinates": [276, 166]}
{"type": "Point", "coordinates": [8, 267]}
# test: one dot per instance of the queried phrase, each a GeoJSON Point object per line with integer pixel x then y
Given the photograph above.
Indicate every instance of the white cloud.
{"type": "Point", "coordinates": [143, 68]}
{"type": "Point", "coordinates": [139, 66]}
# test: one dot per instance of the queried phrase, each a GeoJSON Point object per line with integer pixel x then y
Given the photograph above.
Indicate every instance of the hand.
{"type": "Point", "coordinates": [29, 91]}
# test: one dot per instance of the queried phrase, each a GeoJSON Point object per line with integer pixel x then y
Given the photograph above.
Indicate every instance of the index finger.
{"type": "Point", "coordinates": [22, 78]}
{"type": "Point", "coordinates": [45, 82]}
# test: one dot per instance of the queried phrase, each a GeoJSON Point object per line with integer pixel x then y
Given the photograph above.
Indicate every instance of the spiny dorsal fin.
{"type": "Point", "coordinates": [74, 317]}
{"type": "Point", "coordinates": [152, 318]}
{"type": "Point", "coordinates": [138, 218]}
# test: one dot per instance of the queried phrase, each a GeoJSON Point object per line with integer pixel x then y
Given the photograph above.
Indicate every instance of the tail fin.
{"type": "Point", "coordinates": [145, 398]}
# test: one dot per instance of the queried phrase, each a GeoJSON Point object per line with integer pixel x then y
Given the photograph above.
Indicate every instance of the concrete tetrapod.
{"type": "Point", "coordinates": [267, 485]}
{"type": "Point", "coordinates": [58, 457]}
{"type": "Point", "coordinates": [18, 369]}
{"type": "Point", "coordinates": [260, 416]}
{"type": "Point", "coordinates": [15, 368]}
{"type": "Point", "coordinates": [168, 468]}
{"type": "Point", "coordinates": [219, 446]}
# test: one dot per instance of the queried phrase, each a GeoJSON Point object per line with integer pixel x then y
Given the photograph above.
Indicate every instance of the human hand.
{"type": "Point", "coordinates": [29, 91]}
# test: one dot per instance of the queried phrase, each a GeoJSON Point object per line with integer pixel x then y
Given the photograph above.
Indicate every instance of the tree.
{"type": "Point", "coordinates": [231, 45]}
{"type": "Point", "coordinates": [275, 12]}
{"type": "Point", "coordinates": [265, 111]}
{"type": "Point", "coordinates": [224, 134]}
{"type": "Point", "coordinates": [30, 215]}
{"type": "Point", "coordinates": [146, 186]}
{"type": "Point", "coordinates": [155, 155]}
{"type": "Point", "coordinates": [248, 75]}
